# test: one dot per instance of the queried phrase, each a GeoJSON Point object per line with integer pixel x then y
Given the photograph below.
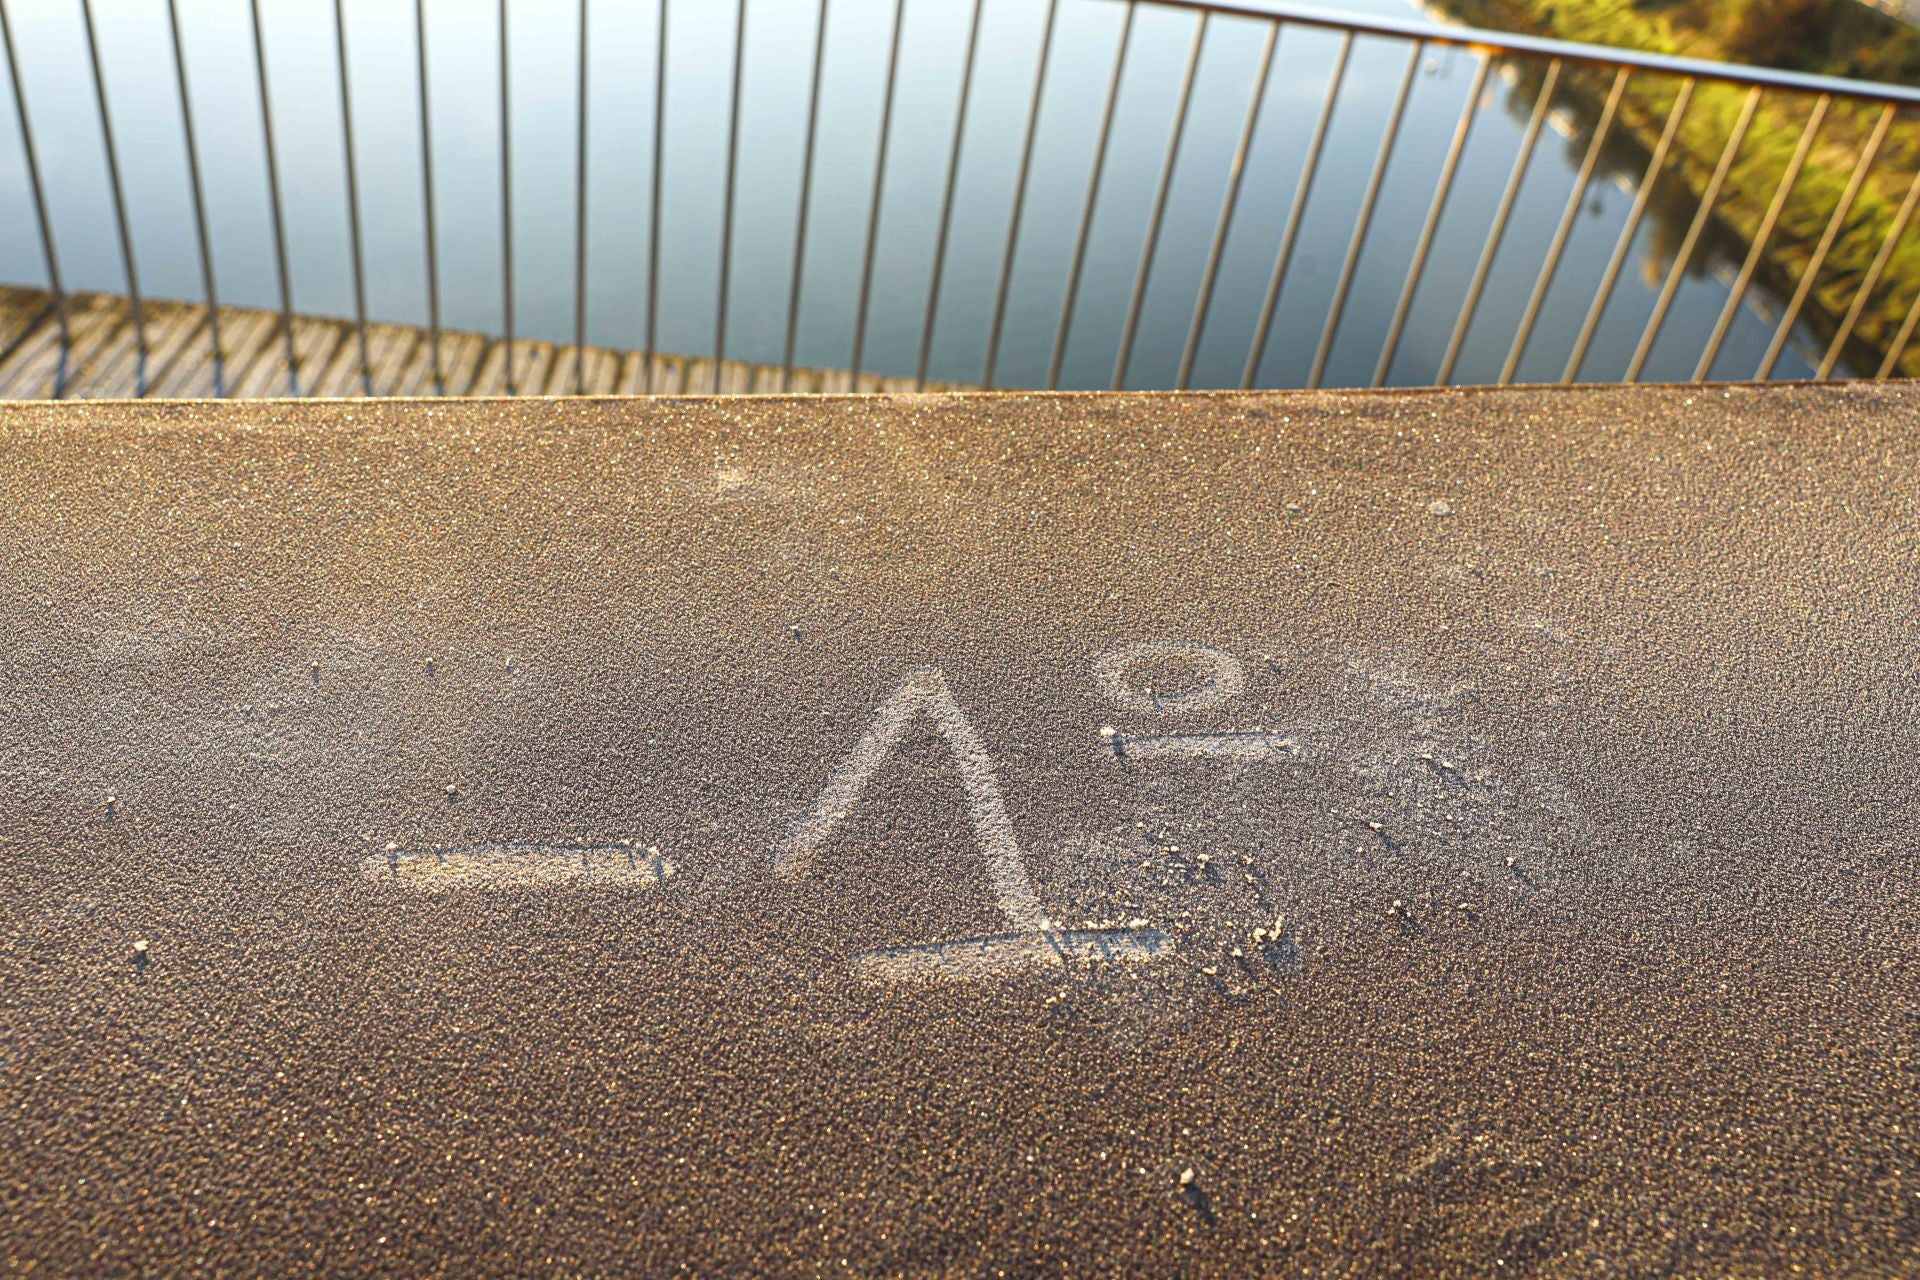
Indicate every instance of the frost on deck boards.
{"type": "Point", "coordinates": [101, 358]}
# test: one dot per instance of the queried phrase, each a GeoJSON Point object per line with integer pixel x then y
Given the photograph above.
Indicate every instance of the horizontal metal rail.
{"type": "Point", "coordinates": [1277, 281]}
{"type": "Point", "coordinates": [1566, 50]}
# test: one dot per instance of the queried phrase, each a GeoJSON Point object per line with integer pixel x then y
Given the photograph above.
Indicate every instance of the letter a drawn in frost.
{"type": "Point", "coordinates": [924, 692]}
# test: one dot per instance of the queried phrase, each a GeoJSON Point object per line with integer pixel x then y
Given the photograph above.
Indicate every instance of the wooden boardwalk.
{"type": "Point", "coordinates": [101, 360]}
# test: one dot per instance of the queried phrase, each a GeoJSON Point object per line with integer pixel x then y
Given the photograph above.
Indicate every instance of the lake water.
{"type": "Point", "coordinates": [464, 61]}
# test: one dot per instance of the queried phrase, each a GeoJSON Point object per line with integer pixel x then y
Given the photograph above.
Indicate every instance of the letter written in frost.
{"type": "Point", "coordinates": [1030, 939]}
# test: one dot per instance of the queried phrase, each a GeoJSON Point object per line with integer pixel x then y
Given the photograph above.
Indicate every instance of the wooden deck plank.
{"type": "Point", "coordinates": [267, 375]}
{"type": "Point", "coordinates": [632, 365]}
{"type": "Point", "coordinates": [416, 376]}
{"type": "Point", "coordinates": [603, 370]}
{"type": "Point", "coordinates": [44, 334]}
{"type": "Point", "coordinates": [531, 361]}
{"type": "Point", "coordinates": [190, 357]}
{"type": "Point", "coordinates": [766, 380]}
{"type": "Point", "coordinates": [45, 329]}
{"type": "Point", "coordinates": [390, 368]}
{"type": "Point", "coordinates": [388, 348]}
{"type": "Point", "coordinates": [20, 311]}
{"type": "Point", "coordinates": [342, 375]}
{"type": "Point", "coordinates": [560, 374]}
{"type": "Point", "coordinates": [191, 372]}
{"type": "Point", "coordinates": [36, 364]}
{"type": "Point", "coordinates": [459, 355]}
{"type": "Point", "coordinates": [599, 372]}
{"type": "Point", "coordinates": [464, 367]}
{"type": "Point", "coordinates": [171, 329]}
{"type": "Point", "coordinates": [489, 379]}
{"type": "Point", "coordinates": [533, 373]}
{"type": "Point", "coordinates": [94, 349]}
{"type": "Point", "coordinates": [194, 376]}
{"type": "Point", "coordinates": [102, 360]}
{"type": "Point", "coordinates": [669, 374]}
{"type": "Point", "coordinates": [266, 344]}
{"type": "Point", "coordinates": [641, 374]}
{"type": "Point", "coordinates": [114, 359]}
{"type": "Point", "coordinates": [342, 367]}
{"type": "Point", "coordinates": [314, 342]}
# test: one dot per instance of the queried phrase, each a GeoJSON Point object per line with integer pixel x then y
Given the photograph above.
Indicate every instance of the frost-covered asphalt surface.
{"type": "Point", "coordinates": [1430, 834]}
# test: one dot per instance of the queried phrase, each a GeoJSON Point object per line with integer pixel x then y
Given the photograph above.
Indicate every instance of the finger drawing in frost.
{"type": "Point", "coordinates": [1226, 680]}
{"type": "Point", "coordinates": [1030, 939]}
{"type": "Point", "coordinates": [501, 866]}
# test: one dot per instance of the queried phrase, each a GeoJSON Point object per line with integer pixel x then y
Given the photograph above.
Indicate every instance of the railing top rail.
{"type": "Point", "coordinates": [1536, 46]}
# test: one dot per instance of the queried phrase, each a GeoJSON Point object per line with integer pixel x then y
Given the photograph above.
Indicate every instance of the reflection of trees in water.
{"type": "Point", "coordinates": [1832, 37]}
{"type": "Point", "coordinates": [1675, 200]}
{"type": "Point", "coordinates": [1578, 100]}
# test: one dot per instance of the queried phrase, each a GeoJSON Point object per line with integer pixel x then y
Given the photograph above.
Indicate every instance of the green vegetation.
{"type": "Point", "coordinates": [1820, 37]}
{"type": "Point", "coordinates": [1827, 37]}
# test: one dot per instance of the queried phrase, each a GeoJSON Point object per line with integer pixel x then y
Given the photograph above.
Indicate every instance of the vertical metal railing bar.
{"type": "Point", "coordinates": [506, 203]}
{"type": "Point", "coordinates": [1810, 276]}
{"type": "Point", "coordinates": [119, 202]}
{"type": "Point", "coordinates": [1644, 193]}
{"type": "Point", "coordinates": [283, 277]}
{"type": "Point", "coordinates": [1338, 306]}
{"type": "Point", "coordinates": [1093, 195]}
{"type": "Point", "coordinates": [806, 199]}
{"type": "Point", "coordinates": [879, 192]}
{"type": "Point", "coordinates": [1702, 213]}
{"type": "Point", "coordinates": [1871, 280]}
{"type": "Point", "coordinates": [1004, 290]}
{"type": "Point", "coordinates": [1761, 236]}
{"type": "Point", "coordinates": [653, 220]}
{"type": "Point", "coordinates": [1295, 214]}
{"type": "Point", "coordinates": [1165, 188]}
{"type": "Point", "coordinates": [32, 158]}
{"type": "Point", "coordinates": [353, 198]}
{"type": "Point", "coordinates": [1576, 198]}
{"type": "Point", "coordinates": [1424, 244]}
{"type": "Point", "coordinates": [580, 212]}
{"type": "Point", "coordinates": [733, 173]}
{"type": "Point", "coordinates": [427, 201]}
{"type": "Point", "coordinates": [198, 193]}
{"type": "Point", "coordinates": [946, 203]}
{"type": "Point", "coordinates": [1899, 347]}
{"type": "Point", "coordinates": [1236, 169]}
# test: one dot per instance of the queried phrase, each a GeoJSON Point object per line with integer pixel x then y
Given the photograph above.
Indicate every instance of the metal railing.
{"type": "Point", "coordinates": [1609, 95]}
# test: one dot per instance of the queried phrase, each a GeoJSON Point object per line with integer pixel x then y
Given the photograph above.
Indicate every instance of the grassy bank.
{"type": "Point", "coordinates": [1823, 36]}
